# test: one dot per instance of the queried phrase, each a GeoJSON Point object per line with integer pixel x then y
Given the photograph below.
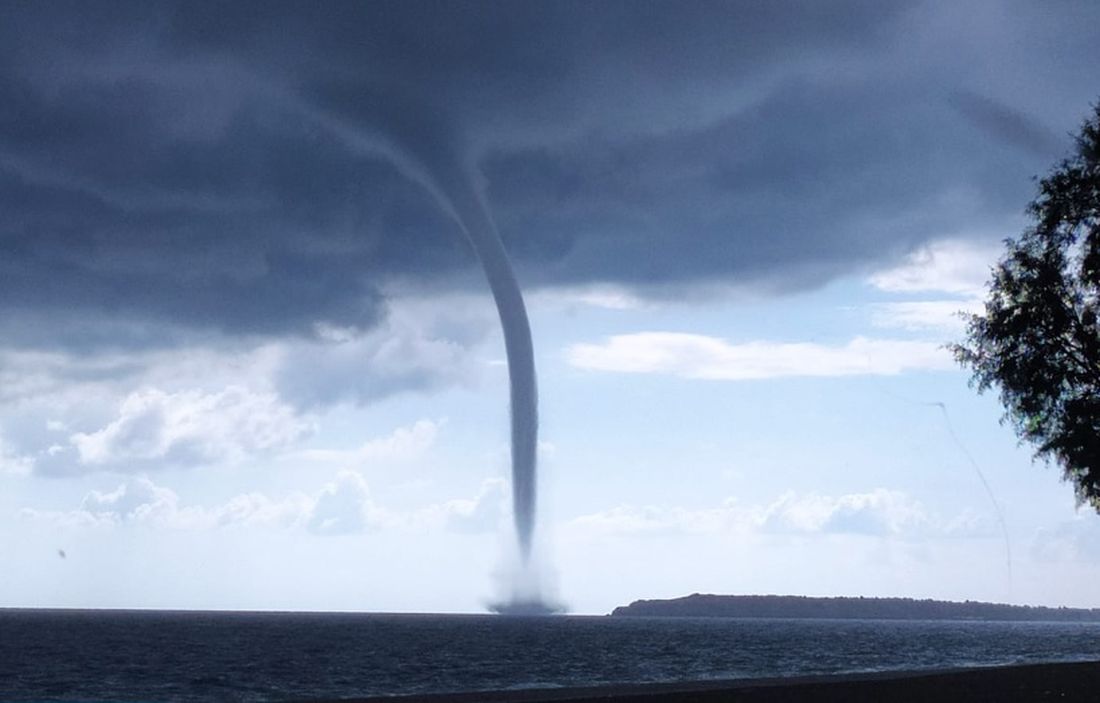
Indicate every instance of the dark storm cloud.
{"type": "Point", "coordinates": [245, 167]}
{"type": "Point", "coordinates": [789, 193]}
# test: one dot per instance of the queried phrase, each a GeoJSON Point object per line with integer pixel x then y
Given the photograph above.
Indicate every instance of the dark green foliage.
{"type": "Point", "coordinates": [1038, 340]}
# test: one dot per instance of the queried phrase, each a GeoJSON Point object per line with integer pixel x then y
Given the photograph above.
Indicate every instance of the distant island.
{"type": "Point", "coordinates": [712, 606]}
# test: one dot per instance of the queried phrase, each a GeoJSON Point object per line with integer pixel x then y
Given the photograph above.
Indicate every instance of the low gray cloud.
{"type": "Point", "coordinates": [412, 350]}
{"type": "Point", "coordinates": [1002, 122]}
{"type": "Point", "coordinates": [183, 169]}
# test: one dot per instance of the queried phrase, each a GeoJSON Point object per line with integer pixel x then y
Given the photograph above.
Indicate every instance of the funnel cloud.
{"type": "Point", "coordinates": [425, 149]}
{"type": "Point", "coordinates": [521, 364]}
{"type": "Point", "coordinates": [474, 218]}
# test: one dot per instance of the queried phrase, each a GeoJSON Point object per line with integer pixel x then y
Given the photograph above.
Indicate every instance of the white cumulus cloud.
{"type": "Point", "coordinates": [253, 509]}
{"type": "Point", "coordinates": [155, 429]}
{"type": "Point", "coordinates": [703, 357]}
{"type": "Point", "coordinates": [947, 266]}
{"type": "Point", "coordinates": [136, 500]}
{"type": "Point", "coordinates": [652, 519]}
{"type": "Point", "coordinates": [942, 316]}
{"type": "Point", "coordinates": [341, 506]}
{"type": "Point", "coordinates": [879, 513]}
{"type": "Point", "coordinates": [403, 444]}
{"type": "Point", "coordinates": [482, 513]}
{"type": "Point", "coordinates": [1076, 540]}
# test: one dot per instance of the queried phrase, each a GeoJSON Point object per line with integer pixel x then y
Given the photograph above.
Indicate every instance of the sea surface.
{"type": "Point", "coordinates": [190, 656]}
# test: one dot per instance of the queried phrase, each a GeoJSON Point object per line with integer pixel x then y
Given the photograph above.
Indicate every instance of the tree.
{"type": "Point", "coordinates": [1038, 341]}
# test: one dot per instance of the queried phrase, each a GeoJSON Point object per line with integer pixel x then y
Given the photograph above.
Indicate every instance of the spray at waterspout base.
{"type": "Point", "coordinates": [532, 608]}
{"type": "Point", "coordinates": [527, 588]}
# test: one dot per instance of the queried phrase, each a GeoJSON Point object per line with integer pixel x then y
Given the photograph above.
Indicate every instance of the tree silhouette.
{"type": "Point", "coordinates": [1038, 340]}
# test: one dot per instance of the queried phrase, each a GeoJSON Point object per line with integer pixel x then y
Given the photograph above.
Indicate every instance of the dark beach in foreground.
{"type": "Point", "coordinates": [1078, 681]}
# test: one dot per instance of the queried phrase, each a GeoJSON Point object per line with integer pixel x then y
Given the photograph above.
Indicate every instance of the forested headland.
{"type": "Point", "coordinates": [771, 606]}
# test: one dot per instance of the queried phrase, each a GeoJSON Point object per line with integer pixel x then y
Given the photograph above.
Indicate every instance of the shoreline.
{"type": "Point", "coordinates": [1062, 681]}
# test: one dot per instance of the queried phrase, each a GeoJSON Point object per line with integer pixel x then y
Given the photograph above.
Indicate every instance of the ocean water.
{"type": "Point", "coordinates": [188, 656]}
